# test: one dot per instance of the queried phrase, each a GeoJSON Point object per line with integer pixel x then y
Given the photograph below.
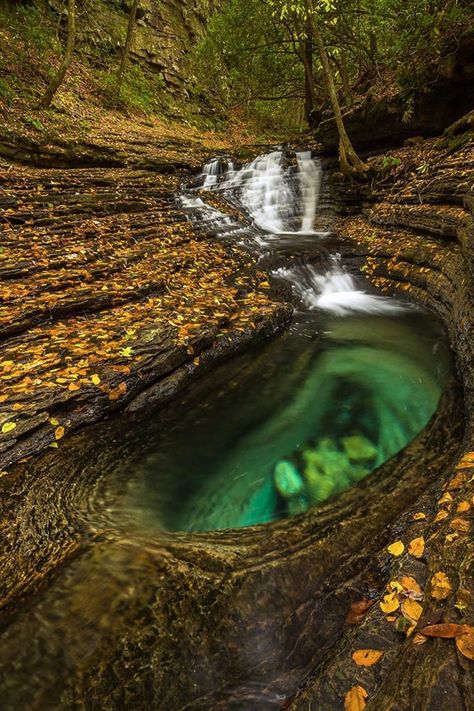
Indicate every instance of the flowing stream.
{"type": "Point", "coordinates": [279, 430]}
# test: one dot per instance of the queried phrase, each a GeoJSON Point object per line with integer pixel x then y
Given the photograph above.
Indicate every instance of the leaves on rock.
{"type": "Point", "coordinates": [396, 548]}
{"type": "Point", "coordinates": [8, 427]}
{"type": "Point", "coordinates": [358, 611]}
{"type": "Point", "coordinates": [440, 586]}
{"type": "Point", "coordinates": [465, 643]}
{"type": "Point", "coordinates": [367, 657]}
{"type": "Point", "coordinates": [355, 699]}
{"type": "Point", "coordinates": [59, 432]}
{"type": "Point", "coordinates": [390, 603]}
{"type": "Point", "coordinates": [416, 547]}
{"type": "Point", "coordinates": [446, 630]}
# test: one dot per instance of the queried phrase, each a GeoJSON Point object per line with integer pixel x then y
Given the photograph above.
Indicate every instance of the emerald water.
{"type": "Point", "coordinates": [290, 426]}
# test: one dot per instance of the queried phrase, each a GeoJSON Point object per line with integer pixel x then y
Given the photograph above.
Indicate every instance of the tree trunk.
{"type": "Point", "coordinates": [65, 64]}
{"type": "Point", "coordinates": [350, 162]}
{"type": "Point", "coordinates": [126, 50]}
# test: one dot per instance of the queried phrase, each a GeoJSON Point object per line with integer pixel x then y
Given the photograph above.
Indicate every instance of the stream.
{"type": "Point", "coordinates": [270, 434]}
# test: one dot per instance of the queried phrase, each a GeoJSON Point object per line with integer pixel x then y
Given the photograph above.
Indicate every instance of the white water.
{"type": "Point", "coordinates": [335, 291]}
{"type": "Point", "coordinates": [282, 199]}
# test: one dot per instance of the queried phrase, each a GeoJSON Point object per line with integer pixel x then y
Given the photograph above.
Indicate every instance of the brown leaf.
{"type": "Point", "coordinates": [367, 657]}
{"type": "Point", "coordinates": [446, 630]}
{"type": "Point", "coordinates": [465, 643]}
{"type": "Point", "coordinates": [417, 547]}
{"type": "Point", "coordinates": [355, 699]}
{"type": "Point", "coordinates": [357, 611]}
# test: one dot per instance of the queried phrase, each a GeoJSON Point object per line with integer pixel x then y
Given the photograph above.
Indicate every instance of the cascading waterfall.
{"type": "Point", "coordinates": [280, 198]}
{"type": "Point", "coordinates": [335, 291]}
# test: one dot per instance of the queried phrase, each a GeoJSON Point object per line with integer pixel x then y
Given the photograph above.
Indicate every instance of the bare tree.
{"type": "Point", "coordinates": [65, 64]}
{"type": "Point", "coordinates": [126, 49]}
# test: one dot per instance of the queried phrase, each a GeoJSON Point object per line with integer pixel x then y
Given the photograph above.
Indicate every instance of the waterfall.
{"type": "Point", "coordinates": [280, 198]}
{"type": "Point", "coordinates": [335, 291]}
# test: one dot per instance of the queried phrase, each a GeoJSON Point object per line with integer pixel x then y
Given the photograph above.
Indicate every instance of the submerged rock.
{"type": "Point", "coordinates": [359, 448]}
{"type": "Point", "coordinates": [288, 480]}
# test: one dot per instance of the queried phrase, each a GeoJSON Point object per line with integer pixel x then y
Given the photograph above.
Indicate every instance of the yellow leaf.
{"type": "Point", "coordinates": [389, 603]}
{"type": "Point", "coordinates": [54, 445]}
{"type": "Point", "coordinates": [355, 699]}
{"type": "Point", "coordinates": [8, 427]}
{"type": "Point", "coordinates": [367, 657]}
{"type": "Point", "coordinates": [445, 499]}
{"type": "Point", "coordinates": [395, 586]}
{"type": "Point", "coordinates": [463, 506]}
{"type": "Point", "coordinates": [59, 432]}
{"type": "Point", "coordinates": [53, 421]}
{"type": "Point", "coordinates": [411, 610]}
{"type": "Point", "coordinates": [419, 516]}
{"type": "Point", "coordinates": [417, 547]}
{"type": "Point", "coordinates": [440, 516]}
{"type": "Point", "coordinates": [95, 379]}
{"type": "Point", "coordinates": [396, 548]}
{"type": "Point", "coordinates": [440, 586]}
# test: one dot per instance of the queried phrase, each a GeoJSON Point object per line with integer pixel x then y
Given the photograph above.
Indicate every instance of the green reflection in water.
{"type": "Point", "coordinates": [297, 423]}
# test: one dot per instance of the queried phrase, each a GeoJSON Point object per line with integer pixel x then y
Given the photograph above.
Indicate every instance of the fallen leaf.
{"type": "Point", "coordinates": [419, 639]}
{"type": "Point", "coordinates": [411, 610]}
{"type": "Point", "coordinates": [463, 506]}
{"type": "Point", "coordinates": [460, 524]}
{"type": "Point", "coordinates": [419, 516]}
{"type": "Point", "coordinates": [355, 699]}
{"type": "Point", "coordinates": [53, 421]}
{"type": "Point", "coordinates": [466, 461]}
{"type": "Point", "coordinates": [367, 657]}
{"type": "Point", "coordinates": [440, 516]}
{"type": "Point", "coordinates": [417, 547]}
{"type": "Point", "coordinates": [54, 445]}
{"type": "Point", "coordinates": [446, 630]}
{"type": "Point", "coordinates": [59, 432]}
{"type": "Point", "coordinates": [396, 548]}
{"type": "Point", "coordinates": [95, 379]}
{"type": "Point", "coordinates": [8, 427]}
{"type": "Point", "coordinates": [409, 583]}
{"type": "Point", "coordinates": [73, 387]}
{"type": "Point", "coordinates": [465, 643]}
{"type": "Point", "coordinates": [390, 603]}
{"type": "Point", "coordinates": [440, 586]}
{"type": "Point", "coordinates": [357, 611]}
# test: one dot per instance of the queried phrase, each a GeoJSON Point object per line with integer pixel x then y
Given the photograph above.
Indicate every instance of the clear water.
{"type": "Point", "coordinates": [281, 430]}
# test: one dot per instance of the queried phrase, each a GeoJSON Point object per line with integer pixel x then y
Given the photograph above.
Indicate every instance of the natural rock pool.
{"type": "Point", "coordinates": [290, 426]}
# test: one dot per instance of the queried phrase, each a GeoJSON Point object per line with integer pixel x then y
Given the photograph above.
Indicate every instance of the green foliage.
{"type": "Point", "coordinates": [390, 162]}
{"type": "Point", "coordinates": [140, 90]}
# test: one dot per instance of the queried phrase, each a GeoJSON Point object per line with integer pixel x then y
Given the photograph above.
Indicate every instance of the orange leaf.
{"type": "Point", "coordinates": [460, 524]}
{"type": "Point", "coordinates": [446, 630]}
{"type": "Point", "coordinates": [409, 583]}
{"type": "Point", "coordinates": [72, 387]}
{"type": "Point", "coordinates": [440, 516]}
{"type": "Point", "coordinates": [367, 657]}
{"type": "Point", "coordinates": [463, 506]}
{"type": "Point", "coordinates": [417, 547]}
{"type": "Point", "coordinates": [465, 643]}
{"type": "Point", "coordinates": [411, 610]}
{"type": "Point", "coordinates": [59, 432]}
{"type": "Point", "coordinates": [355, 699]}
{"type": "Point", "coordinates": [440, 586]}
